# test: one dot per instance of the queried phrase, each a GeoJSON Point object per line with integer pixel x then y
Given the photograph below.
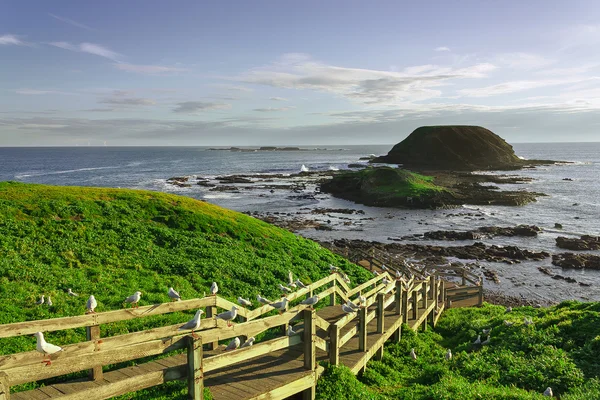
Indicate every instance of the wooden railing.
{"type": "Point", "coordinates": [381, 292]}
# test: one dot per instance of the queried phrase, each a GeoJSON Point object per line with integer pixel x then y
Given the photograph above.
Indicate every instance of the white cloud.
{"type": "Point", "coordinates": [513, 86]}
{"type": "Point", "coordinates": [192, 107]}
{"type": "Point", "coordinates": [525, 61]}
{"type": "Point", "coordinates": [442, 48]}
{"type": "Point", "coordinates": [273, 109]}
{"type": "Point", "coordinates": [298, 71]}
{"type": "Point", "coordinates": [128, 101]}
{"type": "Point", "coordinates": [233, 88]}
{"type": "Point", "coordinates": [13, 40]}
{"type": "Point", "coordinates": [71, 22]}
{"type": "Point", "coordinates": [35, 92]}
{"type": "Point", "coordinates": [278, 98]}
{"type": "Point", "coordinates": [89, 48]}
{"type": "Point", "coordinates": [149, 69]}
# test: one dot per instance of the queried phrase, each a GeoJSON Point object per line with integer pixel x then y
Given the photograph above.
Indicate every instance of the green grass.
{"type": "Point", "coordinates": [560, 350]}
{"type": "Point", "coordinates": [113, 242]}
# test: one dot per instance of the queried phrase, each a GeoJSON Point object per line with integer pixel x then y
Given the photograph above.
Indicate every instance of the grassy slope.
{"type": "Point", "coordinates": [560, 350]}
{"type": "Point", "coordinates": [112, 242]}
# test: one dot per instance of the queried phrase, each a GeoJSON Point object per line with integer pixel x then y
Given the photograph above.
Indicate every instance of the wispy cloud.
{"type": "Point", "coordinates": [233, 88]}
{"type": "Point", "coordinates": [149, 69]}
{"type": "Point", "coordinates": [442, 48]}
{"type": "Point", "coordinates": [192, 107]}
{"type": "Point", "coordinates": [520, 60]}
{"type": "Point", "coordinates": [37, 92]}
{"type": "Point", "coordinates": [71, 22]}
{"type": "Point", "coordinates": [514, 86]}
{"type": "Point", "coordinates": [89, 48]}
{"type": "Point", "coordinates": [273, 109]}
{"type": "Point", "coordinates": [8, 40]}
{"type": "Point", "coordinates": [278, 98]}
{"type": "Point", "coordinates": [128, 101]}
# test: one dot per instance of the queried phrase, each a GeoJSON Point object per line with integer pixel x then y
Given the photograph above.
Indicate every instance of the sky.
{"type": "Point", "coordinates": [295, 72]}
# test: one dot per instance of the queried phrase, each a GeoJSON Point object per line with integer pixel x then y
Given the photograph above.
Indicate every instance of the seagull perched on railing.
{"type": "Point", "coordinates": [280, 305]}
{"type": "Point", "coordinates": [91, 305]}
{"type": "Point", "coordinates": [284, 289]}
{"type": "Point", "coordinates": [345, 278]}
{"type": "Point", "coordinates": [244, 302]}
{"type": "Point", "coordinates": [193, 324]}
{"type": "Point", "coordinates": [228, 315]}
{"type": "Point", "coordinates": [375, 273]}
{"type": "Point", "coordinates": [352, 305]}
{"type": "Point", "coordinates": [134, 299]}
{"type": "Point", "coordinates": [548, 392]}
{"type": "Point", "coordinates": [299, 283]}
{"type": "Point", "coordinates": [47, 349]}
{"type": "Point", "coordinates": [71, 293]}
{"type": "Point", "coordinates": [384, 268]}
{"type": "Point", "coordinates": [173, 295]}
{"type": "Point", "coordinates": [398, 274]}
{"type": "Point", "coordinates": [333, 269]}
{"type": "Point", "coordinates": [347, 309]}
{"type": "Point", "coordinates": [311, 301]}
{"type": "Point", "coordinates": [290, 331]}
{"type": "Point", "coordinates": [262, 300]}
{"type": "Point", "coordinates": [248, 342]}
{"type": "Point", "coordinates": [234, 344]}
{"type": "Point", "coordinates": [214, 288]}
{"type": "Point", "coordinates": [362, 300]}
{"type": "Point", "coordinates": [386, 281]}
{"type": "Point", "coordinates": [40, 301]}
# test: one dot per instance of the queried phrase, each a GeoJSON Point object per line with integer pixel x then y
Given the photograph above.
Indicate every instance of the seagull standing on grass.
{"type": "Point", "coordinates": [311, 301]}
{"type": "Point", "coordinates": [49, 301]}
{"type": "Point", "coordinates": [71, 293]}
{"type": "Point", "coordinates": [40, 301]}
{"type": "Point", "coordinates": [548, 392]}
{"type": "Point", "coordinates": [91, 305]}
{"type": "Point", "coordinates": [333, 269]}
{"type": "Point", "coordinates": [486, 341]}
{"type": "Point", "coordinates": [174, 295]}
{"type": "Point", "coordinates": [262, 300]}
{"type": "Point", "coordinates": [47, 349]}
{"type": "Point", "coordinates": [244, 302]}
{"type": "Point", "coordinates": [413, 355]}
{"type": "Point", "coordinates": [478, 340]}
{"type": "Point", "coordinates": [248, 342]}
{"type": "Point", "coordinates": [214, 289]}
{"type": "Point", "coordinates": [228, 316]}
{"type": "Point", "coordinates": [280, 305]}
{"type": "Point", "coordinates": [234, 344]}
{"type": "Point", "coordinates": [486, 331]}
{"type": "Point", "coordinates": [448, 355]}
{"type": "Point", "coordinates": [193, 324]}
{"type": "Point", "coordinates": [527, 321]}
{"type": "Point", "coordinates": [290, 278]}
{"type": "Point", "coordinates": [134, 299]}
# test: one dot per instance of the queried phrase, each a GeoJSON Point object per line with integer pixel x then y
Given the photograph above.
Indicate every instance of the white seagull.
{"type": "Point", "coordinates": [398, 274]}
{"type": "Point", "coordinates": [311, 301]}
{"type": "Point", "coordinates": [248, 342]}
{"type": "Point", "coordinates": [284, 289]}
{"type": "Point", "coordinates": [280, 305]}
{"type": "Point", "coordinates": [234, 344]}
{"type": "Point", "coordinates": [448, 355]}
{"type": "Point", "coordinates": [244, 302]}
{"type": "Point", "coordinates": [333, 269]}
{"type": "Point", "coordinates": [71, 293]}
{"type": "Point", "coordinates": [384, 268]}
{"type": "Point", "coordinates": [486, 341]}
{"type": "Point", "coordinates": [362, 300]}
{"type": "Point", "coordinates": [527, 321]}
{"type": "Point", "coordinates": [290, 278]}
{"type": "Point", "coordinates": [352, 305]}
{"type": "Point", "coordinates": [486, 331]}
{"type": "Point", "coordinates": [413, 355]}
{"type": "Point", "coordinates": [49, 301]}
{"type": "Point", "coordinates": [262, 300]}
{"type": "Point", "coordinates": [548, 392]}
{"type": "Point", "coordinates": [40, 301]}
{"type": "Point", "coordinates": [45, 348]}
{"type": "Point", "coordinates": [91, 305]}
{"type": "Point", "coordinates": [193, 324]}
{"type": "Point", "coordinates": [290, 331]}
{"type": "Point", "coordinates": [375, 273]}
{"type": "Point", "coordinates": [345, 278]}
{"type": "Point", "coordinates": [299, 283]}
{"type": "Point", "coordinates": [134, 299]}
{"type": "Point", "coordinates": [478, 340]}
{"type": "Point", "coordinates": [214, 289]}
{"type": "Point", "coordinates": [347, 309]}
{"type": "Point", "coordinates": [173, 295]}
{"type": "Point", "coordinates": [228, 315]}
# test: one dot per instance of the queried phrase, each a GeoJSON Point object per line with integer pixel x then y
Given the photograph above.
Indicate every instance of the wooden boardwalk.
{"type": "Point", "coordinates": [273, 369]}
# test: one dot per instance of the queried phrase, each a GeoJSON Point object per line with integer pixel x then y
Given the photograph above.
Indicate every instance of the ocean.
{"type": "Point", "coordinates": [574, 203]}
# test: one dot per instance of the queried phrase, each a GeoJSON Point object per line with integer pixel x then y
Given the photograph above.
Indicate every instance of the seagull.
{"type": "Point", "coordinates": [284, 289]}
{"type": "Point", "coordinates": [448, 355]}
{"type": "Point", "coordinates": [385, 281]}
{"type": "Point", "coordinates": [290, 331]}
{"type": "Point", "coordinates": [362, 300]}
{"type": "Point", "coordinates": [486, 341]}
{"type": "Point", "coordinates": [248, 342]}
{"type": "Point", "coordinates": [244, 302]}
{"type": "Point", "coordinates": [234, 344]}
{"type": "Point", "coordinates": [527, 321]}
{"type": "Point", "coordinates": [345, 278]}
{"type": "Point", "coordinates": [384, 268]}
{"type": "Point", "coordinates": [228, 316]}
{"type": "Point", "coordinates": [293, 285]}
{"type": "Point", "coordinates": [311, 301]}
{"type": "Point", "coordinates": [333, 269]}
{"type": "Point", "coordinates": [280, 305]}
{"type": "Point", "coordinates": [548, 392]}
{"type": "Point", "coordinates": [508, 309]}
{"type": "Point", "coordinates": [71, 293]}
{"type": "Point", "coordinates": [173, 294]}
{"type": "Point", "coordinates": [40, 301]}
{"type": "Point", "coordinates": [91, 305]}
{"type": "Point", "coordinates": [262, 300]}
{"type": "Point", "coordinates": [290, 278]}
{"type": "Point", "coordinates": [214, 289]}
{"type": "Point", "coordinates": [398, 274]}
{"type": "Point", "coordinates": [193, 324]}
{"type": "Point", "coordinates": [375, 273]}
{"type": "Point", "coordinates": [299, 283]}
{"type": "Point", "coordinates": [413, 355]}
{"type": "Point", "coordinates": [478, 340]}
{"type": "Point", "coordinates": [347, 309]}
{"type": "Point", "coordinates": [352, 305]}
{"type": "Point", "coordinates": [49, 301]}
{"type": "Point", "coordinates": [45, 348]}
{"type": "Point", "coordinates": [508, 323]}
{"type": "Point", "coordinates": [134, 298]}
{"type": "Point", "coordinates": [486, 331]}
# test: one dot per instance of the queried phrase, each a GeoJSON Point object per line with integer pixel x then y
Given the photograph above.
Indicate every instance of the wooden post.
{"type": "Point", "coordinates": [211, 312]}
{"type": "Point", "coordinates": [310, 361]}
{"type": "Point", "coordinates": [379, 353]}
{"type": "Point", "coordinates": [442, 297]}
{"type": "Point", "coordinates": [434, 286]}
{"type": "Point", "coordinates": [195, 372]}
{"type": "Point", "coordinates": [362, 329]}
{"type": "Point", "coordinates": [4, 387]}
{"type": "Point", "coordinates": [398, 298]}
{"type": "Point", "coordinates": [415, 305]}
{"type": "Point", "coordinates": [397, 334]}
{"type": "Point", "coordinates": [380, 313]}
{"type": "Point", "coordinates": [93, 333]}
{"type": "Point", "coordinates": [332, 295]}
{"type": "Point", "coordinates": [405, 306]}
{"type": "Point", "coordinates": [334, 348]}
{"type": "Point", "coordinates": [425, 295]}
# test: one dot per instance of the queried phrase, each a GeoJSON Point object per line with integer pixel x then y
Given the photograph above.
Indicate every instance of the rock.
{"type": "Point", "coordinates": [233, 179]}
{"type": "Point", "coordinates": [486, 231]}
{"type": "Point", "coordinates": [576, 261]}
{"type": "Point", "coordinates": [453, 147]}
{"type": "Point", "coordinates": [586, 242]}
{"type": "Point", "coordinates": [558, 226]}
{"type": "Point", "coordinates": [355, 165]}
{"type": "Point", "coordinates": [567, 179]}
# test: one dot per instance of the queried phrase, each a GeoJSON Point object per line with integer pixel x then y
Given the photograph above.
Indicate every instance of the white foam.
{"type": "Point", "coordinates": [304, 168]}
{"type": "Point", "coordinates": [68, 171]}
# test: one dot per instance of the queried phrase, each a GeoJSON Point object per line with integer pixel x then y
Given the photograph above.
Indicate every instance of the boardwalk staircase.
{"type": "Point", "coordinates": [277, 366]}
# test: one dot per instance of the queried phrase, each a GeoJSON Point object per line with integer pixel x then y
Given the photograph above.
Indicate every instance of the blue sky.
{"type": "Point", "coordinates": [282, 72]}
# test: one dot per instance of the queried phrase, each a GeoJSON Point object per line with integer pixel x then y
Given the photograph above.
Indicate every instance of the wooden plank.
{"type": "Point", "coordinates": [405, 306]}
{"type": "Point", "coordinates": [211, 312]}
{"type": "Point", "coordinates": [345, 320]}
{"type": "Point", "coordinates": [297, 386]}
{"type": "Point", "coordinates": [195, 374]}
{"type": "Point", "coordinates": [50, 391]}
{"type": "Point", "coordinates": [332, 295]}
{"type": "Point", "coordinates": [321, 344]}
{"type": "Point", "coordinates": [380, 313]}
{"type": "Point", "coordinates": [348, 335]}
{"type": "Point", "coordinates": [415, 301]}
{"type": "Point", "coordinates": [334, 346]}
{"type": "Point", "coordinates": [4, 386]}
{"type": "Point", "coordinates": [80, 321]}
{"type": "Point", "coordinates": [365, 285]}
{"type": "Point", "coordinates": [362, 329]}
{"type": "Point", "coordinates": [93, 334]}
{"type": "Point", "coordinates": [342, 284]}
{"type": "Point", "coordinates": [423, 317]}
{"type": "Point", "coordinates": [310, 330]}
{"type": "Point", "coordinates": [321, 323]}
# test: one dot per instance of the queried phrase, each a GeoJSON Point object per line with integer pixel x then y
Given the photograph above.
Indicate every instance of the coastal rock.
{"type": "Point", "coordinates": [576, 261]}
{"type": "Point", "coordinates": [586, 242]}
{"type": "Point", "coordinates": [486, 231]}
